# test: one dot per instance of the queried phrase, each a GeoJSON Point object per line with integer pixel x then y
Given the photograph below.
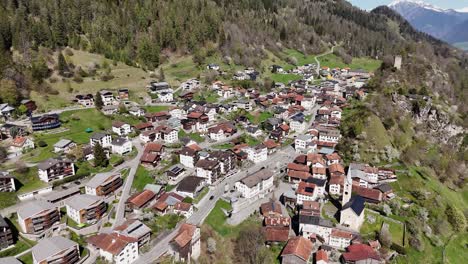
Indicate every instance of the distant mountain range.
{"type": "Point", "coordinates": [446, 24]}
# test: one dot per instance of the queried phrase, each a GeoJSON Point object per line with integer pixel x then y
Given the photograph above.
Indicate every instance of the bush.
{"type": "Point", "coordinates": [42, 144]}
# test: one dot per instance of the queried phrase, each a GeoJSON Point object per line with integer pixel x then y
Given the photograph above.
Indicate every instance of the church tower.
{"type": "Point", "coordinates": [347, 190]}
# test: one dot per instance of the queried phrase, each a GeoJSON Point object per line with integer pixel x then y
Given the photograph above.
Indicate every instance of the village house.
{"type": "Point", "coordinates": [7, 182]}
{"type": "Point", "coordinates": [166, 203]}
{"type": "Point", "coordinates": [329, 135]}
{"type": "Point", "coordinates": [184, 209]}
{"type": "Point", "coordinates": [6, 111]}
{"type": "Point", "coordinates": [196, 122]}
{"type": "Point", "coordinates": [311, 226]}
{"type": "Point", "coordinates": [107, 98]}
{"type": "Point", "coordinates": [361, 253]}
{"type": "Point", "coordinates": [298, 250]}
{"type": "Point", "coordinates": [20, 144]}
{"type": "Point", "coordinates": [189, 156]}
{"type": "Point", "coordinates": [256, 184]}
{"type": "Point", "coordinates": [103, 184]}
{"type": "Point", "coordinates": [37, 216]}
{"type": "Point", "coordinates": [85, 208]}
{"type": "Point", "coordinates": [140, 200]}
{"type": "Point", "coordinates": [86, 100]}
{"type": "Point", "coordinates": [186, 244]}
{"type": "Point", "coordinates": [340, 239]}
{"type": "Point", "coordinates": [136, 229]}
{"type": "Point", "coordinates": [222, 131]}
{"type": "Point", "coordinates": [121, 128]}
{"type": "Point", "coordinates": [110, 109]}
{"type": "Point", "coordinates": [306, 192]}
{"type": "Point", "coordinates": [121, 146]}
{"type": "Point", "coordinates": [305, 144]}
{"type": "Point", "coordinates": [136, 111]}
{"type": "Point", "coordinates": [158, 116]}
{"type": "Point", "coordinates": [335, 185]}
{"type": "Point", "coordinates": [64, 146]}
{"type": "Point", "coordinates": [190, 186]}
{"type": "Point", "coordinates": [56, 249]}
{"type": "Point", "coordinates": [257, 153]}
{"type": "Point", "coordinates": [114, 247]}
{"type": "Point", "coordinates": [363, 175]}
{"type": "Point", "coordinates": [104, 139]}
{"type": "Point", "coordinates": [55, 169]}
{"type": "Point", "coordinates": [175, 173]}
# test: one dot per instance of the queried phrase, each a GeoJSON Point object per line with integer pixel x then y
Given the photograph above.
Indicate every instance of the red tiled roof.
{"type": "Point", "coordinates": [185, 234]}
{"type": "Point", "coordinates": [195, 115]}
{"type": "Point", "coordinates": [301, 189]}
{"type": "Point", "coordinates": [315, 158]}
{"type": "Point", "coordinates": [182, 206]}
{"type": "Point", "coordinates": [337, 180]}
{"type": "Point", "coordinates": [276, 233]}
{"type": "Point", "coordinates": [341, 233]}
{"type": "Point", "coordinates": [142, 198]}
{"type": "Point", "coordinates": [270, 207]}
{"type": "Point", "coordinates": [112, 243]}
{"type": "Point", "coordinates": [284, 127]}
{"type": "Point", "coordinates": [143, 125]}
{"type": "Point", "coordinates": [321, 255]}
{"type": "Point", "coordinates": [298, 167]}
{"type": "Point", "coordinates": [153, 147]}
{"type": "Point", "coordinates": [301, 159]}
{"type": "Point", "coordinates": [270, 143]}
{"type": "Point", "coordinates": [118, 124]}
{"type": "Point", "coordinates": [194, 147]}
{"type": "Point", "coordinates": [298, 246]}
{"type": "Point", "coordinates": [149, 157]}
{"type": "Point", "coordinates": [299, 174]}
{"type": "Point", "coordinates": [277, 221]}
{"type": "Point", "coordinates": [372, 194]}
{"type": "Point", "coordinates": [19, 141]}
{"type": "Point", "coordinates": [357, 252]}
{"type": "Point", "coordinates": [311, 205]}
{"type": "Point", "coordinates": [336, 167]}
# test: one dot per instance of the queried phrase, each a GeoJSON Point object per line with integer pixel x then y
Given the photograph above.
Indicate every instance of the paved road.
{"type": "Point", "coordinates": [321, 55]}
{"type": "Point", "coordinates": [133, 165]}
{"type": "Point", "coordinates": [275, 161]}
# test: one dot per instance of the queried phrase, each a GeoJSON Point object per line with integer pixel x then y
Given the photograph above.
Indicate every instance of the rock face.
{"type": "Point", "coordinates": [430, 119]}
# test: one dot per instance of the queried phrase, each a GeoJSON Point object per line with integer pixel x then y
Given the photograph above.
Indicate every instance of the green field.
{"type": "Point", "coordinates": [217, 220]}
{"type": "Point", "coordinates": [142, 177]}
{"type": "Point", "coordinates": [454, 250]}
{"type": "Point", "coordinates": [74, 124]}
{"type": "Point", "coordinates": [333, 61]}
{"type": "Point", "coordinates": [285, 78]}
{"type": "Point", "coordinates": [396, 230]}
{"type": "Point", "coordinates": [258, 117]}
{"type": "Point", "coordinates": [156, 108]}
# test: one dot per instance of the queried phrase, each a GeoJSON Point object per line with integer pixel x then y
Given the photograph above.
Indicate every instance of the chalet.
{"type": "Point", "coordinates": [103, 184]}
{"type": "Point", "coordinates": [21, 144]}
{"type": "Point", "coordinates": [310, 225]}
{"type": "Point", "coordinates": [166, 202]}
{"type": "Point", "coordinates": [30, 105]}
{"type": "Point", "coordinates": [6, 111]}
{"type": "Point", "coordinates": [121, 128]}
{"type": "Point", "coordinates": [222, 131]}
{"type": "Point", "coordinates": [7, 182]}
{"type": "Point", "coordinates": [86, 100]}
{"type": "Point", "coordinates": [44, 122]}
{"type": "Point", "coordinates": [107, 98]}
{"type": "Point", "coordinates": [257, 153]}
{"type": "Point", "coordinates": [226, 160]}
{"type": "Point", "coordinates": [196, 121]}
{"type": "Point", "coordinates": [276, 234]}
{"type": "Point", "coordinates": [175, 172]}
{"type": "Point", "coordinates": [85, 208]}
{"type": "Point", "coordinates": [254, 131]}
{"type": "Point", "coordinates": [144, 126]}
{"type": "Point", "coordinates": [136, 111]}
{"type": "Point", "coordinates": [110, 109]}
{"type": "Point", "coordinates": [56, 249]}
{"type": "Point", "coordinates": [123, 94]}
{"type": "Point", "coordinates": [184, 209]}
{"type": "Point", "coordinates": [340, 239]}
{"type": "Point", "coordinates": [363, 174]}
{"type": "Point", "coordinates": [55, 168]}
{"type": "Point", "coordinates": [189, 156]}
{"type": "Point", "coordinates": [121, 146]}
{"type": "Point", "coordinates": [104, 139]}
{"type": "Point", "coordinates": [159, 87]}
{"type": "Point", "coordinates": [335, 186]}
{"type": "Point", "coordinates": [305, 144]}
{"type": "Point", "coordinates": [158, 116]}
{"type": "Point", "coordinates": [306, 192]}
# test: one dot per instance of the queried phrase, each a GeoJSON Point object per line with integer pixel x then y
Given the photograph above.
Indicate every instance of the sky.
{"type": "Point", "coordinates": [446, 4]}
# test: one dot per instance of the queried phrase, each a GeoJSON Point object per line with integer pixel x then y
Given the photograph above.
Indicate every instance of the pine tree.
{"type": "Point", "coordinates": [161, 75]}
{"type": "Point", "coordinates": [98, 101]}
{"type": "Point", "coordinates": [62, 63]}
{"type": "Point", "coordinates": [100, 158]}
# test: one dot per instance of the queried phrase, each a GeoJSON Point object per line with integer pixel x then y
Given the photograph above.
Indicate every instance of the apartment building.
{"type": "Point", "coordinates": [256, 184]}
{"type": "Point", "coordinates": [104, 139]}
{"type": "Point", "coordinates": [115, 248]}
{"type": "Point", "coordinates": [6, 236]}
{"type": "Point", "coordinates": [103, 184]}
{"type": "Point", "coordinates": [56, 250]}
{"type": "Point", "coordinates": [55, 169]}
{"type": "Point", "coordinates": [7, 182]}
{"type": "Point", "coordinates": [85, 208]}
{"type": "Point", "coordinates": [37, 216]}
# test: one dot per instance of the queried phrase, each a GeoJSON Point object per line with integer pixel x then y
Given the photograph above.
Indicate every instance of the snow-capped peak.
{"type": "Point", "coordinates": [462, 10]}
{"type": "Point", "coordinates": [417, 3]}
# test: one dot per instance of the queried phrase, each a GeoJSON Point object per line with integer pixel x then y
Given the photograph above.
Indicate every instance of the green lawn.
{"type": "Point", "coordinates": [27, 259]}
{"type": "Point", "coordinates": [161, 223]}
{"type": "Point", "coordinates": [285, 78]}
{"type": "Point", "coordinates": [194, 136]}
{"type": "Point", "coordinates": [25, 182]}
{"type": "Point", "coordinates": [258, 117]}
{"type": "Point", "coordinates": [156, 108]}
{"type": "Point", "coordinates": [201, 195]}
{"type": "Point", "coordinates": [142, 177]}
{"type": "Point", "coordinates": [454, 250]}
{"type": "Point", "coordinates": [249, 140]}
{"type": "Point", "coordinates": [74, 123]}
{"type": "Point", "coordinates": [224, 146]}
{"type": "Point", "coordinates": [396, 230]}
{"type": "Point", "coordinates": [333, 61]}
